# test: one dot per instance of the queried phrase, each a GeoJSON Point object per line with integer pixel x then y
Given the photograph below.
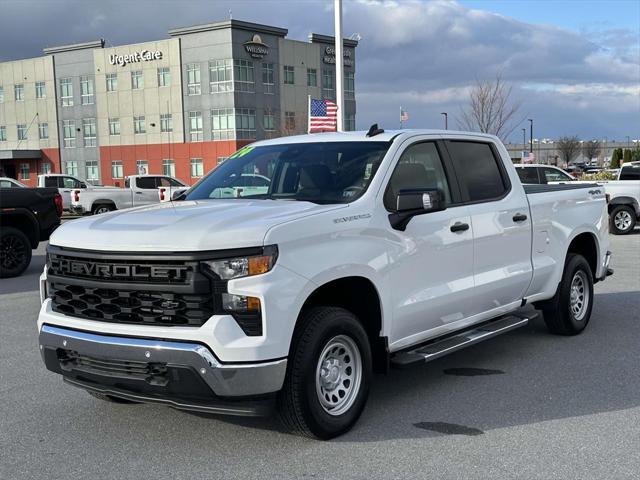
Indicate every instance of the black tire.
{"type": "Point", "coordinates": [15, 252]}
{"type": "Point", "coordinates": [102, 208]}
{"type": "Point", "coordinates": [110, 399]}
{"type": "Point", "coordinates": [622, 220]}
{"type": "Point", "coordinates": [299, 405]}
{"type": "Point", "coordinates": [559, 313]}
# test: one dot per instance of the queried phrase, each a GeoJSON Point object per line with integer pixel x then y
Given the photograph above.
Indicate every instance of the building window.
{"type": "Point", "coordinates": [328, 83]}
{"type": "Point", "coordinates": [3, 133]}
{"type": "Point", "coordinates": [268, 121]}
{"type": "Point", "coordinates": [243, 75]}
{"type": "Point", "coordinates": [168, 167]}
{"type": "Point", "coordinates": [86, 90]}
{"type": "Point", "coordinates": [45, 168]}
{"type": "Point", "coordinates": [66, 92]}
{"type": "Point", "coordinates": [114, 126]}
{"type": "Point", "coordinates": [312, 77]}
{"type": "Point", "coordinates": [142, 167]}
{"type": "Point", "coordinates": [195, 126]}
{"type": "Point", "coordinates": [22, 132]}
{"type": "Point", "coordinates": [24, 171]}
{"type": "Point", "coordinates": [193, 79]}
{"type": "Point", "coordinates": [164, 77]}
{"type": "Point", "coordinates": [19, 92]}
{"type": "Point", "coordinates": [1, 94]}
{"type": "Point", "coordinates": [166, 122]}
{"type": "Point", "coordinates": [245, 123]}
{"type": "Point", "coordinates": [41, 90]}
{"type": "Point", "coordinates": [289, 77]}
{"type": "Point", "coordinates": [350, 122]}
{"type": "Point", "coordinates": [69, 133]}
{"type": "Point", "coordinates": [290, 121]}
{"type": "Point", "coordinates": [92, 170]}
{"type": "Point", "coordinates": [71, 168]}
{"type": "Point", "coordinates": [222, 124]}
{"type": "Point", "coordinates": [349, 86]}
{"type": "Point", "coordinates": [112, 82]}
{"type": "Point", "coordinates": [139, 125]}
{"type": "Point", "coordinates": [117, 170]}
{"type": "Point", "coordinates": [220, 76]}
{"type": "Point", "coordinates": [89, 132]}
{"type": "Point", "coordinates": [137, 80]}
{"type": "Point", "coordinates": [197, 169]}
{"type": "Point", "coordinates": [268, 77]}
{"type": "Point", "coordinates": [43, 131]}
{"type": "Point", "coordinates": [221, 160]}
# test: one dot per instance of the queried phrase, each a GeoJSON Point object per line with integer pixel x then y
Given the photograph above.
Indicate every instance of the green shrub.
{"type": "Point", "coordinates": [599, 176]}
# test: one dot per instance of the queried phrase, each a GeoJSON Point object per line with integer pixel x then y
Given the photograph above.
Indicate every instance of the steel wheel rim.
{"type": "Point", "coordinates": [579, 295]}
{"type": "Point", "coordinates": [338, 375]}
{"type": "Point", "coordinates": [12, 252]}
{"type": "Point", "coordinates": [622, 220]}
{"type": "Point", "coordinates": [102, 210]}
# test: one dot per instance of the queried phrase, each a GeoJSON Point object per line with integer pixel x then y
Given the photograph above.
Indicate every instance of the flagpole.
{"type": "Point", "coordinates": [339, 65]}
{"type": "Point", "coordinates": [308, 113]}
{"type": "Point", "coordinates": [400, 117]}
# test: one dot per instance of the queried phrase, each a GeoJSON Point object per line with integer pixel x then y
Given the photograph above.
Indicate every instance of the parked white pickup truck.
{"type": "Point", "coordinates": [65, 185]}
{"type": "Point", "coordinates": [138, 190]}
{"type": "Point", "coordinates": [368, 250]}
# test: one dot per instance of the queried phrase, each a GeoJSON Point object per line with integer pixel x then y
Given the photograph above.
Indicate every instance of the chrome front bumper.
{"type": "Point", "coordinates": [224, 380]}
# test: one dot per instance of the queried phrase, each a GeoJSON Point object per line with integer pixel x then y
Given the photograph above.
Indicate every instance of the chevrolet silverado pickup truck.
{"type": "Point", "coordinates": [138, 190]}
{"type": "Point", "coordinates": [367, 250]}
{"type": "Point", "coordinates": [27, 217]}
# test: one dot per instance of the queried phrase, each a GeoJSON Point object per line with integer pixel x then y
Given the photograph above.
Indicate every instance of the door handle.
{"type": "Point", "coordinates": [459, 227]}
{"type": "Point", "coordinates": [66, 191]}
{"type": "Point", "coordinates": [138, 193]}
{"type": "Point", "coordinates": [519, 217]}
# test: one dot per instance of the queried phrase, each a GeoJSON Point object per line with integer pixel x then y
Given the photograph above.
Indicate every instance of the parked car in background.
{"type": "Point", "coordinates": [138, 190]}
{"type": "Point", "coordinates": [7, 182]}
{"type": "Point", "coordinates": [27, 217]}
{"type": "Point", "coordinates": [537, 174]}
{"type": "Point", "coordinates": [65, 184]}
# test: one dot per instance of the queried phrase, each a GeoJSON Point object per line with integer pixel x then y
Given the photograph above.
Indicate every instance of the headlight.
{"type": "Point", "coordinates": [248, 266]}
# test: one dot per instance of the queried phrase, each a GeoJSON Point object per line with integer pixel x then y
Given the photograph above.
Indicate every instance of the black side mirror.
{"type": "Point", "coordinates": [83, 185]}
{"type": "Point", "coordinates": [410, 203]}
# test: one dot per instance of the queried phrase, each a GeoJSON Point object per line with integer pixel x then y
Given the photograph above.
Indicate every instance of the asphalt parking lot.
{"type": "Point", "coordinates": [525, 405]}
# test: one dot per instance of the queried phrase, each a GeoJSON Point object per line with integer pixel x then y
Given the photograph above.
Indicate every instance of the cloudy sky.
{"type": "Point", "coordinates": [574, 65]}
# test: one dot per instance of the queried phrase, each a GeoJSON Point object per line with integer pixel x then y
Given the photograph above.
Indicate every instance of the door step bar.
{"type": "Point", "coordinates": [443, 346]}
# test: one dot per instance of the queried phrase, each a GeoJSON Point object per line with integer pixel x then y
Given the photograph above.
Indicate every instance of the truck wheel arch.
{"type": "Point", "coordinates": [359, 296]}
{"type": "Point", "coordinates": [623, 200]}
{"type": "Point", "coordinates": [586, 244]}
{"type": "Point", "coordinates": [103, 201]}
{"type": "Point", "coordinates": [24, 221]}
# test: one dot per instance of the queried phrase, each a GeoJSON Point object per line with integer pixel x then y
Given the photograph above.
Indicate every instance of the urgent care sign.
{"type": "Point", "coordinates": [141, 56]}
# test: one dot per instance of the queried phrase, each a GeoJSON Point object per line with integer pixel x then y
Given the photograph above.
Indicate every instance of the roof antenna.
{"type": "Point", "coordinates": [374, 130]}
{"type": "Point", "coordinates": [230, 15]}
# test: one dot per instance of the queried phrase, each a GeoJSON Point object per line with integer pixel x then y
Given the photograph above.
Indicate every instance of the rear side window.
{"type": "Point", "coordinates": [630, 173]}
{"type": "Point", "coordinates": [51, 182]}
{"type": "Point", "coordinates": [553, 175]}
{"type": "Point", "coordinates": [478, 170]}
{"type": "Point", "coordinates": [528, 174]}
{"type": "Point", "coordinates": [146, 182]}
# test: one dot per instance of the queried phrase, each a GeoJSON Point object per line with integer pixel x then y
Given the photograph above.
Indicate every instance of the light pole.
{"type": "Point", "coordinates": [446, 120]}
{"type": "Point", "coordinates": [530, 135]}
{"type": "Point", "coordinates": [524, 139]}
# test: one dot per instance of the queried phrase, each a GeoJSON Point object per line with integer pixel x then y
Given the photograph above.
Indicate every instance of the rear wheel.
{"type": "Point", "coordinates": [15, 252]}
{"type": "Point", "coordinates": [104, 208]}
{"type": "Point", "coordinates": [622, 220]}
{"type": "Point", "coordinates": [569, 311]}
{"type": "Point", "coordinates": [328, 374]}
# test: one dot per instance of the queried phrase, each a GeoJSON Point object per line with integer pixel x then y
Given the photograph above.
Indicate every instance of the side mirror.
{"type": "Point", "coordinates": [83, 185]}
{"type": "Point", "coordinates": [178, 195]}
{"type": "Point", "coordinates": [410, 203]}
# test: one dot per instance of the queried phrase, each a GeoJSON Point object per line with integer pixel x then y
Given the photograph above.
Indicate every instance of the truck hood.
{"type": "Point", "coordinates": [184, 226]}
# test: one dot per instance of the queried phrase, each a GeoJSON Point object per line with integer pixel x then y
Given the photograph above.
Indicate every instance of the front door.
{"type": "Point", "coordinates": [432, 269]}
{"type": "Point", "coordinates": [146, 191]}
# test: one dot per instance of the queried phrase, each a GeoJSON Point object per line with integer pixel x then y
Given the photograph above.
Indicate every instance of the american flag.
{"type": "Point", "coordinates": [322, 116]}
{"type": "Point", "coordinates": [404, 115]}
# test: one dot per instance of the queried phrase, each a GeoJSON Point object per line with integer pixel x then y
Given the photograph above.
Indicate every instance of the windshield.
{"type": "Point", "coordinates": [328, 172]}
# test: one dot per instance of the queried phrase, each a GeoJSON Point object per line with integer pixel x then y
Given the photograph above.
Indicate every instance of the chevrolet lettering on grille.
{"type": "Point", "coordinates": [114, 271]}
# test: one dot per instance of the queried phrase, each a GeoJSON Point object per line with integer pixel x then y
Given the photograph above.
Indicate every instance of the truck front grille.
{"type": "Point", "coordinates": [131, 306]}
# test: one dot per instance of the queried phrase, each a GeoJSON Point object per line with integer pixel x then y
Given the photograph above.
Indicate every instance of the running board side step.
{"type": "Point", "coordinates": [440, 347]}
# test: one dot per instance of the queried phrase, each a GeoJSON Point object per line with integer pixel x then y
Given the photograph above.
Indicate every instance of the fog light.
{"type": "Point", "coordinates": [240, 303]}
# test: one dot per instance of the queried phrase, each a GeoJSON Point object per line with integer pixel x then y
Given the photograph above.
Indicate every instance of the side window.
{"type": "Point", "coordinates": [164, 182]}
{"type": "Point", "coordinates": [175, 183]}
{"type": "Point", "coordinates": [127, 183]}
{"type": "Point", "coordinates": [146, 182]}
{"type": "Point", "coordinates": [478, 170]}
{"type": "Point", "coordinates": [528, 174]}
{"type": "Point", "coordinates": [69, 182]}
{"type": "Point", "coordinates": [419, 167]}
{"type": "Point", "coordinates": [51, 182]}
{"type": "Point", "coordinates": [630, 173]}
{"type": "Point", "coordinates": [553, 175]}
{"type": "Point", "coordinates": [5, 184]}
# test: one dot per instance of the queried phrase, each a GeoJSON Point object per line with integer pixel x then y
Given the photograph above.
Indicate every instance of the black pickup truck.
{"type": "Point", "coordinates": [27, 217]}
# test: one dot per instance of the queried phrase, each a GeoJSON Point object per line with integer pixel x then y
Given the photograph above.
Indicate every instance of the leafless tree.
{"type": "Point", "coordinates": [568, 147]}
{"type": "Point", "coordinates": [490, 109]}
{"type": "Point", "coordinates": [591, 149]}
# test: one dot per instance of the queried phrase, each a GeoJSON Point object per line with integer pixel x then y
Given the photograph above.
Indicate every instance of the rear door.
{"type": "Point", "coordinates": [501, 225]}
{"type": "Point", "coordinates": [146, 191]}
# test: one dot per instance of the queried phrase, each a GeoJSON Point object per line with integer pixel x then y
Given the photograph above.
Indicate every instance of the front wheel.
{"type": "Point", "coordinates": [100, 209]}
{"type": "Point", "coordinates": [15, 252]}
{"type": "Point", "coordinates": [623, 220]}
{"type": "Point", "coordinates": [328, 375]}
{"type": "Point", "coordinates": [569, 311]}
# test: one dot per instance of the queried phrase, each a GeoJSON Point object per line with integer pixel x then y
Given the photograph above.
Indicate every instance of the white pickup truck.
{"type": "Point", "coordinates": [368, 250]}
{"type": "Point", "coordinates": [138, 190]}
{"type": "Point", "coordinates": [65, 185]}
